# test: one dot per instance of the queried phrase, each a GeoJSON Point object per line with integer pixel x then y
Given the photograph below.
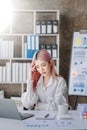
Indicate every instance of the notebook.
{"type": "Point", "coordinates": [8, 109]}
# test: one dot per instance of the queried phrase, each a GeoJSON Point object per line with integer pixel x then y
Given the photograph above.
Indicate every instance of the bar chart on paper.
{"type": "Point", "coordinates": [78, 68]}
{"type": "Point", "coordinates": [53, 124]}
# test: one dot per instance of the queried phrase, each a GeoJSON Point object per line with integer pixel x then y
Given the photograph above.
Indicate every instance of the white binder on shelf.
{"type": "Point", "coordinates": [33, 38]}
{"type": "Point", "coordinates": [54, 50]}
{"type": "Point", "coordinates": [8, 72]}
{"type": "Point", "coordinates": [1, 74]}
{"type": "Point", "coordinates": [16, 71]}
{"type": "Point", "coordinates": [4, 74]}
{"type": "Point", "coordinates": [48, 47]}
{"type": "Point", "coordinates": [43, 27]}
{"type": "Point", "coordinates": [13, 72]}
{"type": "Point", "coordinates": [28, 69]}
{"type": "Point", "coordinates": [11, 48]}
{"type": "Point", "coordinates": [36, 42]}
{"type": "Point", "coordinates": [20, 72]}
{"type": "Point", "coordinates": [38, 27]}
{"type": "Point", "coordinates": [55, 26]}
{"type": "Point", "coordinates": [24, 72]}
{"type": "Point", "coordinates": [29, 47]}
{"type": "Point", "coordinates": [7, 49]}
{"type": "Point", "coordinates": [49, 27]}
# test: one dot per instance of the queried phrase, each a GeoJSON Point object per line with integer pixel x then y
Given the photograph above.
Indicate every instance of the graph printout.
{"type": "Point", "coordinates": [78, 67]}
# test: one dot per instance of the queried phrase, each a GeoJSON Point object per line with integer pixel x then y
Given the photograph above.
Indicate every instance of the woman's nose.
{"type": "Point", "coordinates": [41, 68]}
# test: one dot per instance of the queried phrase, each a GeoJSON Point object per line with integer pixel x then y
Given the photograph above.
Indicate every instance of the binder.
{"type": "Point", "coordinates": [29, 47]}
{"type": "Point", "coordinates": [1, 79]}
{"type": "Point", "coordinates": [54, 50]}
{"type": "Point", "coordinates": [7, 49]}
{"type": "Point", "coordinates": [42, 46]}
{"type": "Point", "coordinates": [38, 27]}
{"type": "Point", "coordinates": [4, 48]}
{"type": "Point", "coordinates": [55, 26]}
{"type": "Point", "coordinates": [48, 48]}
{"type": "Point", "coordinates": [43, 27]}
{"type": "Point", "coordinates": [1, 43]}
{"type": "Point", "coordinates": [32, 45]}
{"type": "Point", "coordinates": [28, 69]}
{"type": "Point", "coordinates": [8, 72]}
{"type": "Point", "coordinates": [4, 73]}
{"type": "Point", "coordinates": [49, 27]}
{"type": "Point", "coordinates": [25, 50]}
{"type": "Point", "coordinates": [36, 42]}
{"type": "Point", "coordinates": [20, 77]}
{"type": "Point", "coordinates": [14, 72]}
{"type": "Point", "coordinates": [11, 48]}
{"type": "Point", "coordinates": [33, 48]}
{"type": "Point", "coordinates": [24, 72]}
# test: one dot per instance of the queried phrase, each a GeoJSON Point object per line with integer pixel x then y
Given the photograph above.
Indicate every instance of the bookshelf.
{"type": "Point", "coordinates": [13, 39]}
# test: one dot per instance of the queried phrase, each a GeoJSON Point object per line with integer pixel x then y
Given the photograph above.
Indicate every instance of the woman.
{"type": "Point", "coordinates": [45, 88]}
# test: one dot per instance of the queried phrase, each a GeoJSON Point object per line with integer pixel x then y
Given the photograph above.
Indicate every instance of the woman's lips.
{"type": "Point", "coordinates": [43, 72]}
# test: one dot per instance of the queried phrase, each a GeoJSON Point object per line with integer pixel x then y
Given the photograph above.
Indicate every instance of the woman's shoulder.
{"type": "Point", "coordinates": [61, 82]}
{"type": "Point", "coordinates": [60, 78]}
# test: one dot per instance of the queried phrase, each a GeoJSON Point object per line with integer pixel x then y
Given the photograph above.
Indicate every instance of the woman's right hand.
{"type": "Point", "coordinates": [34, 74]}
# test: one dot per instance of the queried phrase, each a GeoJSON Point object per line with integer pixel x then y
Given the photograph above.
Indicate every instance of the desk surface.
{"type": "Point", "coordinates": [48, 124]}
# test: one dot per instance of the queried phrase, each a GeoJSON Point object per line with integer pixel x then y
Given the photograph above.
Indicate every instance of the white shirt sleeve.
{"type": "Point", "coordinates": [29, 98]}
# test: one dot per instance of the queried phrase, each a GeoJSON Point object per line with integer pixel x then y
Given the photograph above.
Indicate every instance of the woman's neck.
{"type": "Point", "coordinates": [46, 79]}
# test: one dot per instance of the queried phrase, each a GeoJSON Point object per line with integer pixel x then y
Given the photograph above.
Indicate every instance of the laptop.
{"type": "Point", "coordinates": [8, 109]}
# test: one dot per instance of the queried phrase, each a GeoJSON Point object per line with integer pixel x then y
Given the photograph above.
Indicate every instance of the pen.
{"type": "Point", "coordinates": [46, 115]}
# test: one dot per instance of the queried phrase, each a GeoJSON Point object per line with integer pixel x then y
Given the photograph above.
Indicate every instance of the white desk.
{"type": "Point", "coordinates": [33, 124]}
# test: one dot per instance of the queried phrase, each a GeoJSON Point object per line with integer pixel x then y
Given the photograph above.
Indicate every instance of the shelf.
{"type": "Point", "coordinates": [24, 25]}
{"type": "Point", "coordinates": [13, 82]}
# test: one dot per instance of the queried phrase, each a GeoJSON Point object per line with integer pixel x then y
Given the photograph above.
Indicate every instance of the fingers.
{"type": "Point", "coordinates": [33, 69]}
{"type": "Point", "coordinates": [32, 64]}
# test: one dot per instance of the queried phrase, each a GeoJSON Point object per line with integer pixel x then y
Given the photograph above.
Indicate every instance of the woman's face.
{"type": "Point", "coordinates": [43, 67]}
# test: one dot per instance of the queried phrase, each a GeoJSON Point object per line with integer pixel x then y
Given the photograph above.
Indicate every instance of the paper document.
{"type": "Point", "coordinates": [46, 116]}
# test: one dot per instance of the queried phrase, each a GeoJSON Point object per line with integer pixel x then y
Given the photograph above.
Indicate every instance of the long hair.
{"type": "Point", "coordinates": [44, 55]}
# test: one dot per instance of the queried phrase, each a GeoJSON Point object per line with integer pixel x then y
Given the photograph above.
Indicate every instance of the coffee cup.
{"type": "Point", "coordinates": [63, 109]}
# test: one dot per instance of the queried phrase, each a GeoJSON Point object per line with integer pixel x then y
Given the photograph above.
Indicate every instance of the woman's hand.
{"type": "Point", "coordinates": [34, 74]}
{"type": "Point", "coordinates": [31, 72]}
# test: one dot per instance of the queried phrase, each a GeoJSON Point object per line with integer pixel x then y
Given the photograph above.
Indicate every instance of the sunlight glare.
{"type": "Point", "coordinates": [5, 14]}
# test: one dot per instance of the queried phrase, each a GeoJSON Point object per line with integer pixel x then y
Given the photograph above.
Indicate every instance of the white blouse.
{"type": "Point", "coordinates": [45, 97]}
